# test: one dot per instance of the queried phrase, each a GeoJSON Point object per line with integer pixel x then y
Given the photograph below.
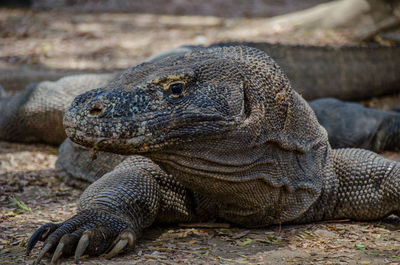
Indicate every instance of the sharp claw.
{"type": "Point", "coordinates": [39, 234]}
{"type": "Point", "coordinates": [127, 237]}
{"type": "Point", "coordinates": [117, 248]}
{"type": "Point", "coordinates": [43, 252]}
{"type": "Point", "coordinates": [82, 245]}
{"type": "Point", "coordinates": [32, 241]}
{"type": "Point", "coordinates": [57, 254]}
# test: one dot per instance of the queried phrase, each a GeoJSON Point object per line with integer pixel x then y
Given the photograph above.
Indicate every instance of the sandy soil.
{"type": "Point", "coordinates": [31, 194]}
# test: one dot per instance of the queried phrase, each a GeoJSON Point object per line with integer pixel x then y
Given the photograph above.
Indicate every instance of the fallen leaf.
{"type": "Point", "coordinates": [245, 242]}
{"type": "Point", "coordinates": [359, 246]}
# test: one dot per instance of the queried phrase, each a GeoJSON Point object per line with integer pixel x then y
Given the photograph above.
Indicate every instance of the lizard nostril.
{"type": "Point", "coordinates": [96, 109]}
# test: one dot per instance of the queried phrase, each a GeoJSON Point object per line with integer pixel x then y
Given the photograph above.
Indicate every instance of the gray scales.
{"type": "Point", "coordinates": [198, 128]}
{"type": "Point", "coordinates": [347, 73]}
{"type": "Point", "coordinates": [28, 115]}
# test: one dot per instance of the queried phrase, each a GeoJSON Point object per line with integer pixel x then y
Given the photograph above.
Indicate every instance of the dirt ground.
{"type": "Point", "coordinates": [68, 40]}
{"type": "Point", "coordinates": [31, 194]}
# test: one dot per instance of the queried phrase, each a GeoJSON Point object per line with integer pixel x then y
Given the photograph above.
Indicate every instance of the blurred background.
{"type": "Point", "coordinates": [105, 35]}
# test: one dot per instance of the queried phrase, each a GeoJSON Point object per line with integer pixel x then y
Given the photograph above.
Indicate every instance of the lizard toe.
{"type": "Point", "coordinates": [92, 242]}
{"type": "Point", "coordinates": [89, 232]}
{"type": "Point", "coordinates": [47, 247]}
{"type": "Point", "coordinates": [126, 240]}
{"type": "Point", "coordinates": [40, 234]}
{"type": "Point", "coordinates": [95, 241]}
{"type": "Point", "coordinates": [65, 247]}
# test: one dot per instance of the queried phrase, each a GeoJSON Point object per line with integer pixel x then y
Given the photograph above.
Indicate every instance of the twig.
{"type": "Point", "coordinates": [388, 23]}
{"type": "Point", "coordinates": [205, 225]}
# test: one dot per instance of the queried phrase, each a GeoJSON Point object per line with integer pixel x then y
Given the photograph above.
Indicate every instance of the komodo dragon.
{"type": "Point", "coordinates": [28, 115]}
{"type": "Point", "coordinates": [213, 134]}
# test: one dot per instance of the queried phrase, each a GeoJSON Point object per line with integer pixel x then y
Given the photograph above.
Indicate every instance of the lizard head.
{"type": "Point", "coordinates": [153, 105]}
{"type": "Point", "coordinates": [236, 97]}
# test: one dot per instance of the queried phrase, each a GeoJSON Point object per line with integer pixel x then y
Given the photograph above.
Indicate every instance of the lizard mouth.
{"type": "Point", "coordinates": [150, 140]}
{"type": "Point", "coordinates": [119, 145]}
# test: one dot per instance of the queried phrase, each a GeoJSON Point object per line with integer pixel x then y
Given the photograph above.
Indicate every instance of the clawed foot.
{"type": "Point", "coordinates": [89, 232]}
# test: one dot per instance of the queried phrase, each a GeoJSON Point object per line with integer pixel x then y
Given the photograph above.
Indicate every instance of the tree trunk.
{"type": "Point", "coordinates": [364, 17]}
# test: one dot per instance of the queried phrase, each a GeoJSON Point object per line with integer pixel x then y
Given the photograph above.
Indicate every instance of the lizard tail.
{"type": "Point", "coordinates": [387, 136]}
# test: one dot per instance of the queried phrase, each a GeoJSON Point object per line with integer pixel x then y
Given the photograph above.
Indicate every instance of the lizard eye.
{"type": "Point", "coordinates": [176, 89]}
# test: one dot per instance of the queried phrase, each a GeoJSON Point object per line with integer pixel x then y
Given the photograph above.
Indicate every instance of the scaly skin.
{"type": "Point", "coordinates": [347, 73]}
{"type": "Point", "coordinates": [35, 114]}
{"type": "Point", "coordinates": [228, 139]}
{"type": "Point", "coordinates": [352, 125]}
{"type": "Point", "coordinates": [316, 72]}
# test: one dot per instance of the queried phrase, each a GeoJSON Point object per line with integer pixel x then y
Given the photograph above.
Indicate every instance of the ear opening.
{"type": "Point", "coordinates": [246, 101]}
{"type": "Point", "coordinates": [301, 129]}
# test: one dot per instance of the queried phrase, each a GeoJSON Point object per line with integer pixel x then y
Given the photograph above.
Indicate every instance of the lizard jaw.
{"type": "Point", "coordinates": [125, 146]}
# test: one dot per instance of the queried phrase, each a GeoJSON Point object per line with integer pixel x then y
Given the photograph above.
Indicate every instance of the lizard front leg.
{"type": "Point", "coordinates": [114, 210]}
{"type": "Point", "coordinates": [360, 185]}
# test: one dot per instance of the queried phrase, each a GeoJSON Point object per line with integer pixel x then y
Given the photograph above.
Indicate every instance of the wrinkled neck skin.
{"type": "Point", "coordinates": [224, 158]}
{"type": "Point", "coordinates": [249, 180]}
{"type": "Point", "coordinates": [270, 169]}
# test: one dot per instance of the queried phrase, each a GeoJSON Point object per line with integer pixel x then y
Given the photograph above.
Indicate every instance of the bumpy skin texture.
{"type": "Point", "coordinates": [225, 138]}
{"type": "Point", "coordinates": [35, 114]}
{"type": "Point", "coordinates": [351, 125]}
{"type": "Point", "coordinates": [76, 166]}
{"type": "Point", "coordinates": [347, 73]}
